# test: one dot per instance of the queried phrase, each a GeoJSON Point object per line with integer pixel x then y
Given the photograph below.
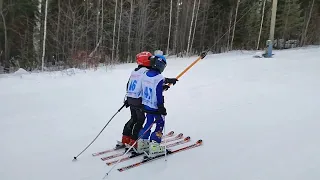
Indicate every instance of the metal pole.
{"type": "Point", "coordinates": [272, 27]}
{"type": "Point", "coordinates": [273, 19]}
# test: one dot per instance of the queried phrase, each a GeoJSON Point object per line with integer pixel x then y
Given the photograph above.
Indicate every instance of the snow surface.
{"type": "Point", "coordinates": [259, 119]}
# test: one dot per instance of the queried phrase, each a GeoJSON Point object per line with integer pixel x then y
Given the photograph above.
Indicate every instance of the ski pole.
{"type": "Point", "coordinates": [165, 140]}
{"type": "Point", "coordinates": [75, 158]}
{"type": "Point", "coordinates": [190, 66]}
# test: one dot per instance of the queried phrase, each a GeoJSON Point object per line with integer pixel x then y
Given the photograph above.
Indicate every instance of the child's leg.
{"type": "Point", "coordinates": [137, 126]}
{"type": "Point", "coordinates": [143, 143]}
{"type": "Point", "coordinates": [150, 119]}
{"type": "Point", "coordinates": [127, 129]}
{"type": "Point", "coordinates": [157, 133]}
{"type": "Point", "coordinates": [155, 148]}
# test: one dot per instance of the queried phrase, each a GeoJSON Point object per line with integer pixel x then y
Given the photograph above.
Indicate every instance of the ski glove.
{"type": "Point", "coordinates": [170, 81]}
{"type": "Point", "coordinates": [162, 110]}
{"type": "Point", "coordinates": [126, 103]}
{"type": "Point", "coordinates": [165, 87]}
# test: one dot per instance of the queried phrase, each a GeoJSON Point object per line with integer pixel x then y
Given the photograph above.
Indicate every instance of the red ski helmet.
{"type": "Point", "coordinates": [143, 58]}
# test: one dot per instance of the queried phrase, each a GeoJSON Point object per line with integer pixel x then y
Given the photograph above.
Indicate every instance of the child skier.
{"type": "Point", "coordinates": [153, 101]}
{"type": "Point", "coordinates": [134, 100]}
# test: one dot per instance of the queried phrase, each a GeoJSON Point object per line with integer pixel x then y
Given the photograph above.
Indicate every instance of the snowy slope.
{"type": "Point", "coordinates": [259, 120]}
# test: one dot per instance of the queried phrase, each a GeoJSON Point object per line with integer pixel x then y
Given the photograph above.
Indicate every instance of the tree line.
{"type": "Point", "coordinates": [84, 33]}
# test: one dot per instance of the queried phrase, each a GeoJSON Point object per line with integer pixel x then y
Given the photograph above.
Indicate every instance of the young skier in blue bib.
{"type": "Point", "coordinates": [153, 101]}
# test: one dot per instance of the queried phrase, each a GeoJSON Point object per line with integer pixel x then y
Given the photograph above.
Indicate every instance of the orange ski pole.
{"type": "Point", "coordinates": [190, 66]}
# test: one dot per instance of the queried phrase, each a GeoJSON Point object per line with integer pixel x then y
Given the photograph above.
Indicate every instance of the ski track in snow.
{"type": "Point", "coordinates": [259, 120]}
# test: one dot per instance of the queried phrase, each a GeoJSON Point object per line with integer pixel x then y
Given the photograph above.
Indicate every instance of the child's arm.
{"type": "Point", "coordinates": [159, 93]}
{"type": "Point", "coordinates": [160, 99]}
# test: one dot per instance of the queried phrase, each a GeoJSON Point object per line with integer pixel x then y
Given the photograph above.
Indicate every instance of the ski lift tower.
{"type": "Point", "coordinates": [270, 42]}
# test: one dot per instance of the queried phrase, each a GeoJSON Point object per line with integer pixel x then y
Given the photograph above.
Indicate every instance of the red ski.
{"type": "Point", "coordinates": [144, 161]}
{"type": "Point", "coordinates": [185, 140]}
{"type": "Point", "coordinates": [166, 140]}
{"type": "Point", "coordinates": [170, 134]}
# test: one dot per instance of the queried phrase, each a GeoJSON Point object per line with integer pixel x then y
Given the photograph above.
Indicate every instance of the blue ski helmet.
{"type": "Point", "coordinates": [158, 62]}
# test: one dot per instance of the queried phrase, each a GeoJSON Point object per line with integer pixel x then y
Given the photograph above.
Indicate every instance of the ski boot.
{"type": "Point", "coordinates": [125, 140]}
{"type": "Point", "coordinates": [142, 147]}
{"type": "Point", "coordinates": [155, 149]}
{"type": "Point", "coordinates": [131, 143]}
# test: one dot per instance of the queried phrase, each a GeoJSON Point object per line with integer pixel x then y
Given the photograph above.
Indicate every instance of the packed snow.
{"type": "Point", "coordinates": [258, 118]}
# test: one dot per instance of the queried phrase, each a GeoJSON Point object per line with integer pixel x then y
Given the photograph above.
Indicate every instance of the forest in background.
{"type": "Point", "coordinates": [84, 33]}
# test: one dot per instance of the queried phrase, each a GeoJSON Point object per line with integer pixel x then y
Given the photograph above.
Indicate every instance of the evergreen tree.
{"type": "Point", "coordinates": [83, 34]}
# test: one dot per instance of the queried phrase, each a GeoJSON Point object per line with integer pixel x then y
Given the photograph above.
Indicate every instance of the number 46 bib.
{"type": "Point", "coordinates": [134, 87]}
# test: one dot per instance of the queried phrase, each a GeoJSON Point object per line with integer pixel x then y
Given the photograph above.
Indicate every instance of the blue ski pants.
{"type": "Point", "coordinates": [158, 132]}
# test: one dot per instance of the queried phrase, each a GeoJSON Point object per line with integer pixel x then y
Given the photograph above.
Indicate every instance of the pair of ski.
{"type": "Point", "coordinates": [133, 155]}
{"type": "Point", "coordinates": [165, 140]}
{"type": "Point", "coordinates": [120, 146]}
{"type": "Point", "coordinates": [146, 160]}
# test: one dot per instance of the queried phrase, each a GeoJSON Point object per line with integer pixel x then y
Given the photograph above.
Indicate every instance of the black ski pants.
{"type": "Point", "coordinates": [134, 125]}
